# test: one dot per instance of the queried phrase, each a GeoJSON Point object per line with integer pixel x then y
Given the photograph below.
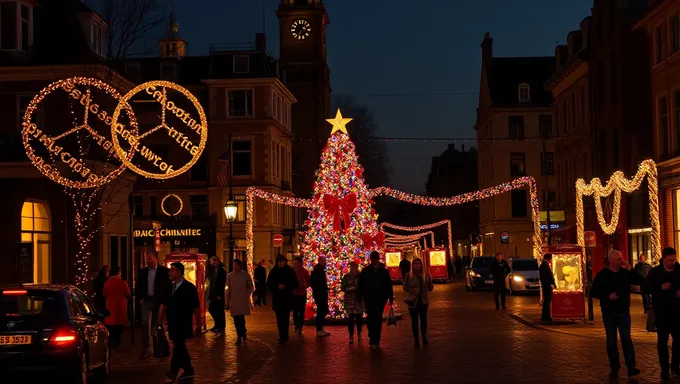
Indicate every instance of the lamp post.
{"type": "Point", "coordinates": [230, 212]}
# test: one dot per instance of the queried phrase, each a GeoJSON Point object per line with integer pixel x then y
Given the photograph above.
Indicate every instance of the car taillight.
{"type": "Point", "coordinates": [64, 337]}
{"type": "Point", "coordinates": [15, 292]}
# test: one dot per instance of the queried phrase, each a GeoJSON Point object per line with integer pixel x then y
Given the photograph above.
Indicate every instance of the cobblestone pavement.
{"type": "Point", "coordinates": [470, 342]}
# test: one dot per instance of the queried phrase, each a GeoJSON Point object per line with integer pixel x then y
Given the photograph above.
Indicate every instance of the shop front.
{"type": "Point", "coordinates": [554, 229]}
{"type": "Point", "coordinates": [166, 240]}
{"type": "Point", "coordinates": [670, 209]}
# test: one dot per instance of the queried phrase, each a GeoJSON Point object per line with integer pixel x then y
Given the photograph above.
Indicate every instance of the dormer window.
{"type": "Point", "coordinates": [16, 26]}
{"type": "Point", "coordinates": [97, 35]}
{"type": "Point", "coordinates": [241, 64]}
{"type": "Point", "coordinates": [524, 93]}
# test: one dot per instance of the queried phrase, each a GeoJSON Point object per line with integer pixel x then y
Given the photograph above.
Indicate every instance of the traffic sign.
{"type": "Point", "coordinates": [277, 239]}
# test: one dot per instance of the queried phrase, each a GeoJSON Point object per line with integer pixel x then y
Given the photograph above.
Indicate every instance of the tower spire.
{"type": "Point", "coordinates": [173, 45]}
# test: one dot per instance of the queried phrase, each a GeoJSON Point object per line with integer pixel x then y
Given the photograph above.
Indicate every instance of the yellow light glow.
{"type": "Point", "coordinates": [199, 127]}
{"type": "Point", "coordinates": [615, 185]}
{"type": "Point", "coordinates": [339, 123]}
{"type": "Point", "coordinates": [392, 259]}
{"type": "Point", "coordinates": [181, 205]}
{"type": "Point", "coordinates": [438, 258]}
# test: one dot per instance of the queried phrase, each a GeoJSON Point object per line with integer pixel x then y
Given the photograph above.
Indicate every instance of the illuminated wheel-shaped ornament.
{"type": "Point", "coordinates": [166, 211]}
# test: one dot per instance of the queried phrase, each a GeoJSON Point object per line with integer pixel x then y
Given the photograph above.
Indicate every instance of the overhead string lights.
{"type": "Point", "coordinates": [396, 238]}
{"type": "Point", "coordinates": [423, 227]}
{"type": "Point", "coordinates": [617, 183]}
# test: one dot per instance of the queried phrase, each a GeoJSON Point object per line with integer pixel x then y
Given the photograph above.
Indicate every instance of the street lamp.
{"type": "Point", "coordinates": [230, 211]}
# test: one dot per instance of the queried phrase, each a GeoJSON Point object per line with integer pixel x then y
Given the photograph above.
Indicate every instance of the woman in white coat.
{"type": "Point", "coordinates": [239, 291]}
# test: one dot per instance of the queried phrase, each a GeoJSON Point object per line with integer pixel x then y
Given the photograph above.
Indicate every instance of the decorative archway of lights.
{"type": "Point", "coordinates": [617, 183]}
{"type": "Point", "coordinates": [393, 238]}
{"type": "Point", "coordinates": [414, 244]}
{"type": "Point", "coordinates": [522, 182]}
{"type": "Point", "coordinates": [422, 227]}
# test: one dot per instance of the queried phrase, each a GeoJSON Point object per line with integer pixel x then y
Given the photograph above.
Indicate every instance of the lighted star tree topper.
{"type": "Point", "coordinates": [341, 220]}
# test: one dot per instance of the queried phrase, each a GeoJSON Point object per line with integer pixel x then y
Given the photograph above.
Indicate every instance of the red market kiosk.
{"type": "Point", "coordinates": [194, 272]}
{"type": "Point", "coordinates": [568, 301]}
{"type": "Point", "coordinates": [436, 263]}
{"type": "Point", "coordinates": [392, 259]}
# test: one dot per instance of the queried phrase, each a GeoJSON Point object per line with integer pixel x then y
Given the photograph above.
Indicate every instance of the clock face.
{"type": "Point", "coordinates": [300, 29]}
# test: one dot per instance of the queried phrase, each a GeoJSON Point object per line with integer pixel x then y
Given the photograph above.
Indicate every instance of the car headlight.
{"type": "Point", "coordinates": [518, 279]}
{"type": "Point", "coordinates": [474, 274]}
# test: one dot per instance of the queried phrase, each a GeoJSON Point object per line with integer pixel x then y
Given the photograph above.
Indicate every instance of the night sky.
{"type": "Point", "coordinates": [395, 56]}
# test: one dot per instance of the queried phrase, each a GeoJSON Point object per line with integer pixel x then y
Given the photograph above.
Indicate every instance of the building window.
{"type": "Point", "coordinates": [153, 206]}
{"type": "Point", "coordinates": [518, 200]}
{"type": "Point", "coordinates": [97, 39]}
{"type": "Point", "coordinates": [557, 119]}
{"type": "Point", "coordinates": [549, 196]}
{"type": "Point", "coordinates": [547, 163]}
{"type": "Point", "coordinates": [524, 93]}
{"type": "Point", "coordinates": [241, 64]}
{"type": "Point", "coordinates": [241, 208]}
{"type": "Point", "coordinates": [517, 165]}
{"type": "Point", "coordinates": [242, 158]}
{"type": "Point", "coordinates": [660, 45]}
{"type": "Point", "coordinates": [199, 206]}
{"type": "Point", "coordinates": [199, 172]}
{"type": "Point", "coordinates": [545, 126]}
{"type": "Point", "coordinates": [138, 206]}
{"type": "Point", "coordinates": [663, 128]}
{"type": "Point", "coordinates": [276, 213]}
{"type": "Point", "coordinates": [16, 26]}
{"type": "Point", "coordinates": [675, 34]}
{"type": "Point", "coordinates": [36, 228]}
{"type": "Point", "coordinates": [516, 127]}
{"type": "Point", "coordinates": [241, 103]}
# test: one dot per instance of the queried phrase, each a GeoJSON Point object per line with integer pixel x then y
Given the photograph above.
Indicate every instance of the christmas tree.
{"type": "Point", "coordinates": [342, 223]}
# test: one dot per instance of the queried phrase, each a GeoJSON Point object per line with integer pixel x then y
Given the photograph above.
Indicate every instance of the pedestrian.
{"type": "Point", "coordinates": [151, 289]}
{"type": "Point", "coordinates": [320, 294]}
{"type": "Point", "coordinates": [375, 287]}
{"type": "Point", "coordinates": [663, 282]}
{"type": "Point", "coordinates": [216, 295]}
{"type": "Point", "coordinates": [547, 279]}
{"type": "Point", "coordinates": [300, 295]}
{"type": "Point", "coordinates": [181, 307]}
{"type": "Point", "coordinates": [418, 285]}
{"type": "Point", "coordinates": [404, 266]}
{"type": "Point", "coordinates": [354, 307]}
{"type": "Point", "coordinates": [239, 289]}
{"type": "Point", "coordinates": [116, 293]}
{"type": "Point", "coordinates": [458, 264]}
{"type": "Point", "coordinates": [281, 282]}
{"type": "Point", "coordinates": [260, 284]}
{"type": "Point", "coordinates": [99, 299]}
{"type": "Point", "coordinates": [612, 287]}
{"type": "Point", "coordinates": [270, 266]}
{"type": "Point", "coordinates": [642, 268]}
{"type": "Point", "coordinates": [499, 270]}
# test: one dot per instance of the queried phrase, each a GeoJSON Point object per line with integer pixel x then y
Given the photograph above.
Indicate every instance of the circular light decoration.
{"type": "Point", "coordinates": [168, 213]}
{"type": "Point", "coordinates": [63, 154]}
{"type": "Point", "coordinates": [181, 126]}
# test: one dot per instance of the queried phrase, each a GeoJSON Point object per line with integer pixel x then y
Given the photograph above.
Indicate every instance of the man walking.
{"type": "Point", "coordinates": [300, 295]}
{"type": "Point", "coordinates": [547, 279]}
{"type": "Point", "coordinates": [642, 268]}
{"type": "Point", "coordinates": [499, 269]}
{"type": "Point", "coordinates": [376, 290]}
{"type": "Point", "coordinates": [181, 307]}
{"type": "Point", "coordinates": [151, 288]}
{"type": "Point", "coordinates": [216, 295]}
{"type": "Point", "coordinates": [320, 295]}
{"type": "Point", "coordinates": [612, 287]}
{"type": "Point", "coordinates": [664, 285]}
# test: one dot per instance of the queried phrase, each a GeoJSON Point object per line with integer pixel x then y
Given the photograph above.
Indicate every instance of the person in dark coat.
{"type": "Point", "coordinates": [182, 307]}
{"type": "Point", "coordinates": [260, 284]}
{"type": "Point", "coordinates": [500, 270]}
{"type": "Point", "coordinates": [376, 290]}
{"type": "Point", "coordinates": [612, 287]}
{"type": "Point", "coordinates": [151, 289]}
{"type": "Point", "coordinates": [547, 279]}
{"type": "Point", "coordinates": [216, 294]}
{"type": "Point", "coordinates": [404, 266]}
{"type": "Point", "coordinates": [663, 282]}
{"type": "Point", "coordinates": [281, 282]}
{"type": "Point", "coordinates": [99, 299]}
{"type": "Point", "coordinates": [642, 268]}
{"type": "Point", "coordinates": [320, 294]}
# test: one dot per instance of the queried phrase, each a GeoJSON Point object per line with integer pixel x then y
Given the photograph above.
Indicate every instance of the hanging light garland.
{"type": "Point", "coordinates": [617, 183]}
{"type": "Point", "coordinates": [396, 238]}
{"type": "Point", "coordinates": [422, 227]}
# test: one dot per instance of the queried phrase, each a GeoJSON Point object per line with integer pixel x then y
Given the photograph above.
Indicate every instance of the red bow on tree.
{"type": "Point", "coordinates": [336, 207]}
{"type": "Point", "coordinates": [373, 241]}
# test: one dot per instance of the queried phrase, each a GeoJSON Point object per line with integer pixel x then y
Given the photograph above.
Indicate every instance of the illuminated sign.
{"type": "Point", "coordinates": [168, 232]}
{"type": "Point", "coordinates": [437, 258]}
{"type": "Point", "coordinates": [392, 259]}
{"type": "Point", "coordinates": [505, 237]}
{"type": "Point", "coordinates": [544, 227]}
{"type": "Point", "coordinates": [554, 216]}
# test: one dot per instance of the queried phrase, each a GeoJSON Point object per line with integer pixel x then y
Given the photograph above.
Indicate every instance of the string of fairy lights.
{"type": "Point", "coordinates": [393, 238]}
{"type": "Point", "coordinates": [423, 227]}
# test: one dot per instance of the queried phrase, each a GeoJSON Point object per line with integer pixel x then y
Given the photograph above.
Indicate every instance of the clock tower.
{"type": "Point", "coordinates": [302, 33]}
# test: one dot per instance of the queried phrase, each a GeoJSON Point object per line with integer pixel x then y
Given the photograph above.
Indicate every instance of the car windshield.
{"type": "Point", "coordinates": [31, 303]}
{"type": "Point", "coordinates": [524, 265]}
{"type": "Point", "coordinates": [482, 262]}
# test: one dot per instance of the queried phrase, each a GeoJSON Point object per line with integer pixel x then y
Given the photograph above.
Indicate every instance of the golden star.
{"type": "Point", "coordinates": [339, 123]}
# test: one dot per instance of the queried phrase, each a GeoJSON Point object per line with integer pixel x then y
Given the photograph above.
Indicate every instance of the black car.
{"type": "Point", "coordinates": [478, 274]}
{"type": "Point", "coordinates": [51, 329]}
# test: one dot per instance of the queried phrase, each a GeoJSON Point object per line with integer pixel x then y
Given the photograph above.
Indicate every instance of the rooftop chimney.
{"type": "Point", "coordinates": [487, 49]}
{"type": "Point", "coordinates": [260, 42]}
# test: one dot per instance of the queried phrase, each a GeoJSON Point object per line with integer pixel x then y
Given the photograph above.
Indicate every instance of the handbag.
{"type": "Point", "coordinates": [410, 300]}
{"type": "Point", "coordinates": [391, 318]}
{"type": "Point", "coordinates": [651, 320]}
{"type": "Point", "coordinates": [161, 345]}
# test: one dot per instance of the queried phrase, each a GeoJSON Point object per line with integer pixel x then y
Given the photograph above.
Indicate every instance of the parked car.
{"type": "Point", "coordinates": [523, 277]}
{"type": "Point", "coordinates": [50, 328]}
{"type": "Point", "coordinates": [478, 274]}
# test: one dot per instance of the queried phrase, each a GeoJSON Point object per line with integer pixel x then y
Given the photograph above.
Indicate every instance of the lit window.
{"type": "Point", "coordinates": [36, 228]}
